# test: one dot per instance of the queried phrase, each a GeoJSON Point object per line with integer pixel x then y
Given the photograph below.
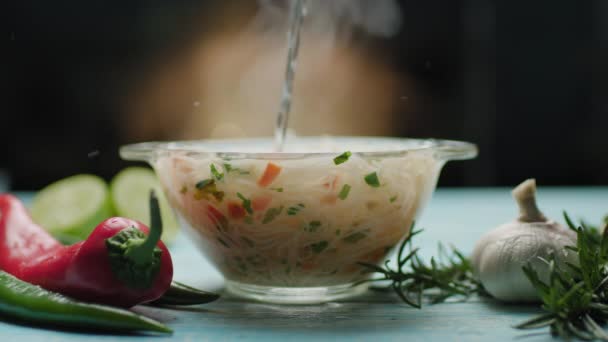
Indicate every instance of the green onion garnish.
{"type": "Point", "coordinates": [204, 183]}
{"type": "Point", "coordinates": [343, 158]}
{"type": "Point", "coordinates": [344, 192]}
{"type": "Point", "coordinates": [229, 168]}
{"type": "Point", "coordinates": [355, 237]}
{"type": "Point", "coordinates": [216, 174]}
{"type": "Point", "coordinates": [372, 180]}
{"type": "Point", "coordinates": [271, 214]}
{"type": "Point", "coordinates": [246, 203]}
{"type": "Point", "coordinates": [291, 211]}
{"type": "Point", "coordinates": [319, 246]}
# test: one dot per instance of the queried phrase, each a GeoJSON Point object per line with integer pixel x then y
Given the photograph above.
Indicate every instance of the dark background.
{"type": "Point", "coordinates": [525, 80]}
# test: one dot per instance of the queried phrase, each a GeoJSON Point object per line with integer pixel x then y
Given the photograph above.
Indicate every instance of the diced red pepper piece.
{"type": "Point", "coordinates": [236, 210]}
{"type": "Point", "coordinates": [270, 174]}
{"type": "Point", "coordinates": [216, 216]}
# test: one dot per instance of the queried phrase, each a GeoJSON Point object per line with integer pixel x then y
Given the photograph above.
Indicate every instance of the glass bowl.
{"type": "Point", "coordinates": [291, 227]}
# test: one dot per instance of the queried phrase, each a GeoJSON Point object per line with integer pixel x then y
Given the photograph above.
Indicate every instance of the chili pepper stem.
{"type": "Point", "coordinates": [142, 251]}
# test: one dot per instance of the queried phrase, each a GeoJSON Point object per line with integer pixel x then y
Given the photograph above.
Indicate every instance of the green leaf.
{"type": "Point", "coordinates": [537, 322]}
{"type": "Point", "coordinates": [569, 222]}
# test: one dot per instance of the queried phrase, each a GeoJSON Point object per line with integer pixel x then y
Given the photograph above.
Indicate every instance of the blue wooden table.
{"type": "Point", "coordinates": [454, 216]}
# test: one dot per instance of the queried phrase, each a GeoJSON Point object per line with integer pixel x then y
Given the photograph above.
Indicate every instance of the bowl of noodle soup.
{"type": "Point", "coordinates": [291, 226]}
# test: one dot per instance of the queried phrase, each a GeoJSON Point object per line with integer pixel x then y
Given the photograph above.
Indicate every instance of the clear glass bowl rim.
{"type": "Point", "coordinates": [442, 149]}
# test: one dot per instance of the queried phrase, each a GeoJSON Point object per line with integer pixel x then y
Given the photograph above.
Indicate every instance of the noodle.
{"type": "Point", "coordinates": [311, 237]}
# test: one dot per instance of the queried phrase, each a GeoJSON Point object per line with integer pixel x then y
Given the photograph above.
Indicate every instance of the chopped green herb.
{"type": "Point", "coordinates": [372, 180]}
{"type": "Point", "coordinates": [344, 192]}
{"type": "Point", "coordinates": [216, 174]}
{"type": "Point", "coordinates": [277, 189]}
{"type": "Point", "coordinates": [205, 183]}
{"type": "Point", "coordinates": [229, 168]}
{"type": "Point", "coordinates": [223, 242]}
{"type": "Point", "coordinates": [312, 226]}
{"type": "Point", "coordinates": [393, 199]}
{"type": "Point", "coordinates": [343, 158]}
{"type": "Point", "coordinates": [271, 214]}
{"type": "Point", "coordinates": [246, 203]}
{"type": "Point", "coordinates": [184, 189]}
{"type": "Point", "coordinates": [354, 237]}
{"type": "Point", "coordinates": [291, 211]}
{"type": "Point", "coordinates": [319, 246]}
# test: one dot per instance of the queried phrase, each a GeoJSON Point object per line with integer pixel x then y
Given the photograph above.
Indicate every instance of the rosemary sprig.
{"type": "Point", "coordinates": [575, 296]}
{"type": "Point", "coordinates": [450, 275]}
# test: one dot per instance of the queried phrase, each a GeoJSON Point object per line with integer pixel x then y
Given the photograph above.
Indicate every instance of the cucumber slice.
{"type": "Point", "coordinates": [130, 190]}
{"type": "Point", "coordinates": [72, 207]}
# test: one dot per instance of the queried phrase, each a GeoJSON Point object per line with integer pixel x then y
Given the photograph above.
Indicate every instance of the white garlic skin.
{"type": "Point", "coordinates": [500, 254]}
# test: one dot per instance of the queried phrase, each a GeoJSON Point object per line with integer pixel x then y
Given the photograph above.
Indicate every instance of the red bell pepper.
{"type": "Point", "coordinates": [121, 263]}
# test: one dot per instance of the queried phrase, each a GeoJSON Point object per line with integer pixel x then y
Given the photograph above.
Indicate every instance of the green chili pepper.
{"type": "Point", "coordinates": [32, 303]}
{"type": "Point", "coordinates": [180, 294]}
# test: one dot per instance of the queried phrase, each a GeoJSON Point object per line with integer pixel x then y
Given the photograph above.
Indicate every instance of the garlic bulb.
{"type": "Point", "coordinates": [500, 254]}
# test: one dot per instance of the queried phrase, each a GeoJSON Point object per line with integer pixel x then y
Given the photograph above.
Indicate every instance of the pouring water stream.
{"type": "Point", "coordinates": [297, 13]}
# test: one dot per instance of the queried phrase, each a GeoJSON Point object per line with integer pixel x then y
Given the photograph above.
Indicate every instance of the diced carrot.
{"type": "Point", "coordinates": [260, 203]}
{"type": "Point", "coordinates": [270, 173]}
{"type": "Point", "coordinates": [236, 210]}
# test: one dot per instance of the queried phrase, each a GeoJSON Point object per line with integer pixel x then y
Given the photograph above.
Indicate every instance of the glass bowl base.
{"type": "Point", "coordinates": [294, 295]}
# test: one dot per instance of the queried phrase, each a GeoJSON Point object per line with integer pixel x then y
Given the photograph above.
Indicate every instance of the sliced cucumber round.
{"type": "Point", "coordinates": [130, 190]}
{"type": "Point", "coordinates": [72, 207]}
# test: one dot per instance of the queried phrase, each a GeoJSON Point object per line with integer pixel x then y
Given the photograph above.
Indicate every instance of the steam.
{"type": "Point", "coordinates": [334, 19]}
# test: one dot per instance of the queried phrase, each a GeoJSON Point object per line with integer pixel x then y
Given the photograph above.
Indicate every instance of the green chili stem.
{"type": "Point", "coordinates": [141, 251]}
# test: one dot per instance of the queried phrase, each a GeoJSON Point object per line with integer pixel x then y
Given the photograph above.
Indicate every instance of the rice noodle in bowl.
{"type": "Point", "coordinates": [291, 226]}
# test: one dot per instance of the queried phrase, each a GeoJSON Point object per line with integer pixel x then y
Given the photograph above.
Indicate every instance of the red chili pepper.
{"type": "Point", "coordinates": [118, 264]}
